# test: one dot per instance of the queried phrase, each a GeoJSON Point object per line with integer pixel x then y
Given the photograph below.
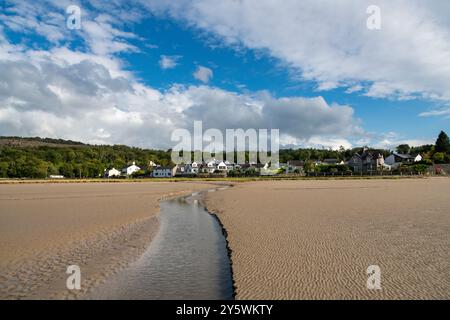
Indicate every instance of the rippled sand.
{"type": "Point", "coordinates": [101, 227]}
{"type": "Point", "coordinates": [315, 239]}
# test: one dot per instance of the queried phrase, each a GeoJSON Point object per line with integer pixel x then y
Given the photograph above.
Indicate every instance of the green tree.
{"type": "Point", "coordinates": [443, 143]}
{"type": "Point", "coordinates": [308, 166]}
{"type": "Point", "coordinates": [41, 170]}
{"type": "Point", "coordinates": [67, 170]}
{"type": "Point", "coordinates": [420, 168]}
{"type": "Point", "coordinates": [403, 148]}
{"type": "Point", "coordinates": [439, 157]}
{"type": "Point", "coordinates": [4, 169]}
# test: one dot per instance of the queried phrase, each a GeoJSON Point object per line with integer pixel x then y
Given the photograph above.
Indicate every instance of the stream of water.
{"type": "Point", "coordinates": [188, 259]}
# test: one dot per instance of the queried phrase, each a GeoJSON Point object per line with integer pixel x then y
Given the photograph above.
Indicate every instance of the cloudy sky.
{"type": "Point", "coordinates": [137, 70]}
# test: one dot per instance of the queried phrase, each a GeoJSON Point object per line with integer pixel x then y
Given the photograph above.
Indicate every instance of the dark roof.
{"type": "Point", "coordinates": [164, 168]}
{"type": "Point", "coordinates": [371, 153]}
{"type": "Point", "coordinates": [251, 165]}
{"type": "Point", "coordinates": [296, 163]}
{"type": "Point", "coordinates": [403, 156]}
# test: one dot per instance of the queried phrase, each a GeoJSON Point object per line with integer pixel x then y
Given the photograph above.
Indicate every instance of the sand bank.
{"type": "Point", "coordinates": [316, 239]}
{"type": "Point", "coordinates": [101, 227]}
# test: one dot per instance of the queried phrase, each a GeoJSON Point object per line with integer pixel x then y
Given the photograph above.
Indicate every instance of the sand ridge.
{"type": "Point", "coordinates": [100, 227]}
{"type": "Point", "coordinates": [315, 239]}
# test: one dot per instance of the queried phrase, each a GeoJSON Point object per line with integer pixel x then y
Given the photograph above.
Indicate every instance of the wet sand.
{"type": "Point", "coordinates": [100, 227]}
{"type": "Point", "coordinates": [316, 239]}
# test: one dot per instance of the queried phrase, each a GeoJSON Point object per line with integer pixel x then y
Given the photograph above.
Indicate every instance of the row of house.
{"type": "Point", "coordinates": [210, 167]}
{"type": "Point", "coordinates": [373, 160]}
{"type": "Point", "coordinates": [366, 161]}
{"type": "Point", "coordinates": [213, 166]}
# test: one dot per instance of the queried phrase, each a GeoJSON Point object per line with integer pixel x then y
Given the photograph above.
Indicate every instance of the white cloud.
{"type": "Point", "coordinates": [355, 88]}
{"type": "Point", "coordinates": [89, 96]}
{"type": "Point", "coordinates": [335, 144]}
{"type": "Point", "coordinates": [168, 62]}
{"type": "Point", "coordinates": [34, 17]}
{"type": "Point", "coordinates": [104, 39]}
{"type": "Point", "coordinates": [80, 96]}
{"type": "Point", "coordinates": [443, 112]}
{"type": "Point", "coordinates": [100, 32]}
{"type": "Point", "coordinates": [390, 140]}
{"type": "Point", "coordinates": [392, 144]}
{"type": "Point", "coordinates": [328, 41]}
{"type": "Point", "coordinates": [203, 74]}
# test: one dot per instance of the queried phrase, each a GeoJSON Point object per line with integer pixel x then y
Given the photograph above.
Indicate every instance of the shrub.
{"type": "Point", "coordinates": [139, 173]}
{"type": "Point", "coordinates": [428, 162]}
{"type": "Point", "coordinates": [420, 168]}
{"type": "Point", "coordinates": [251, 172]}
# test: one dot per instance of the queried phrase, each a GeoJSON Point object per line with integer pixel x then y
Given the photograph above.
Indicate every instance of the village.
{"type": "Point", "coordinates": [43, 158]}
{"type": "Point", "coordinates": [367, 162]}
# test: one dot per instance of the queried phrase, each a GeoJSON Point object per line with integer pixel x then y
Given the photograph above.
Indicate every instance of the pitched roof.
{"type": "Point", "coordinates": [164, 168]}
{"type": "Point", "coordinates": [371, 153]}
{"type": "Point", "coordinates": [403, 156]}
{"type": "Point", "coordinates": [296, 163]}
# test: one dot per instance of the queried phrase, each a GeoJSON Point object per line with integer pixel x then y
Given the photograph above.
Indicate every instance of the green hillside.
{"type": "Point", "coordinates": [41, 157]}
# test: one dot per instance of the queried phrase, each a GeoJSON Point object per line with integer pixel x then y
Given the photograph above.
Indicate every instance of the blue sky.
{"type": "Point", "coordinates": [137, 70]}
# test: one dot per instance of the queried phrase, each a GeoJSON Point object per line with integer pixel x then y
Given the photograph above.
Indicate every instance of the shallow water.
{"type": "Point", "coordinates": [187, 259]}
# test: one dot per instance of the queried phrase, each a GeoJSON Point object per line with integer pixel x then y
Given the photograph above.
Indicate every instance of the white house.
{"type": "Point", "coordinates": [164, 172]}
{"type": "Point", "coordinates": [113, 173]}
{"type": "Point", "coordinates": [212, 163]}
{"type": "Point", "coordinates": [222, 166]}
{"type": "Point", "coordinates": [397, 158]}
{"type": "Point", "coordinates": [418, 158]}
{"type": "Point", "coordinates": [211, 166]}
{"type": "Point", "coordinates": [131, 169]}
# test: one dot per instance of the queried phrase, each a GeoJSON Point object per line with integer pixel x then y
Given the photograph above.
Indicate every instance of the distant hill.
{"type": "Point", "coordinates": [27, 142]}
{"type": "Point", "coordinates": [40, 157]}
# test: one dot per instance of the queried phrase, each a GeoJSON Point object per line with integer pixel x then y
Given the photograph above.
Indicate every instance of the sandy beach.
{"type": "Point", "coordinates": [316, 239]}
{"type": "Point", "coordinates": [101, 227]}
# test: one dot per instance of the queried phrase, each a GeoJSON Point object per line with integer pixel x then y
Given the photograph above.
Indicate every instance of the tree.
{"type": "Point", "coordinates": [443, 143]}
{"type": "Point", "coordinates": [4, 169]}
{"type": "Point", "coordinates": [403, 148]}
{"type": "Point", "coordinates": [66, 170]}
{"type": "Point", "coordinates": [308, 166]}
{"type": "Point", "coordinates": [439, 157]}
